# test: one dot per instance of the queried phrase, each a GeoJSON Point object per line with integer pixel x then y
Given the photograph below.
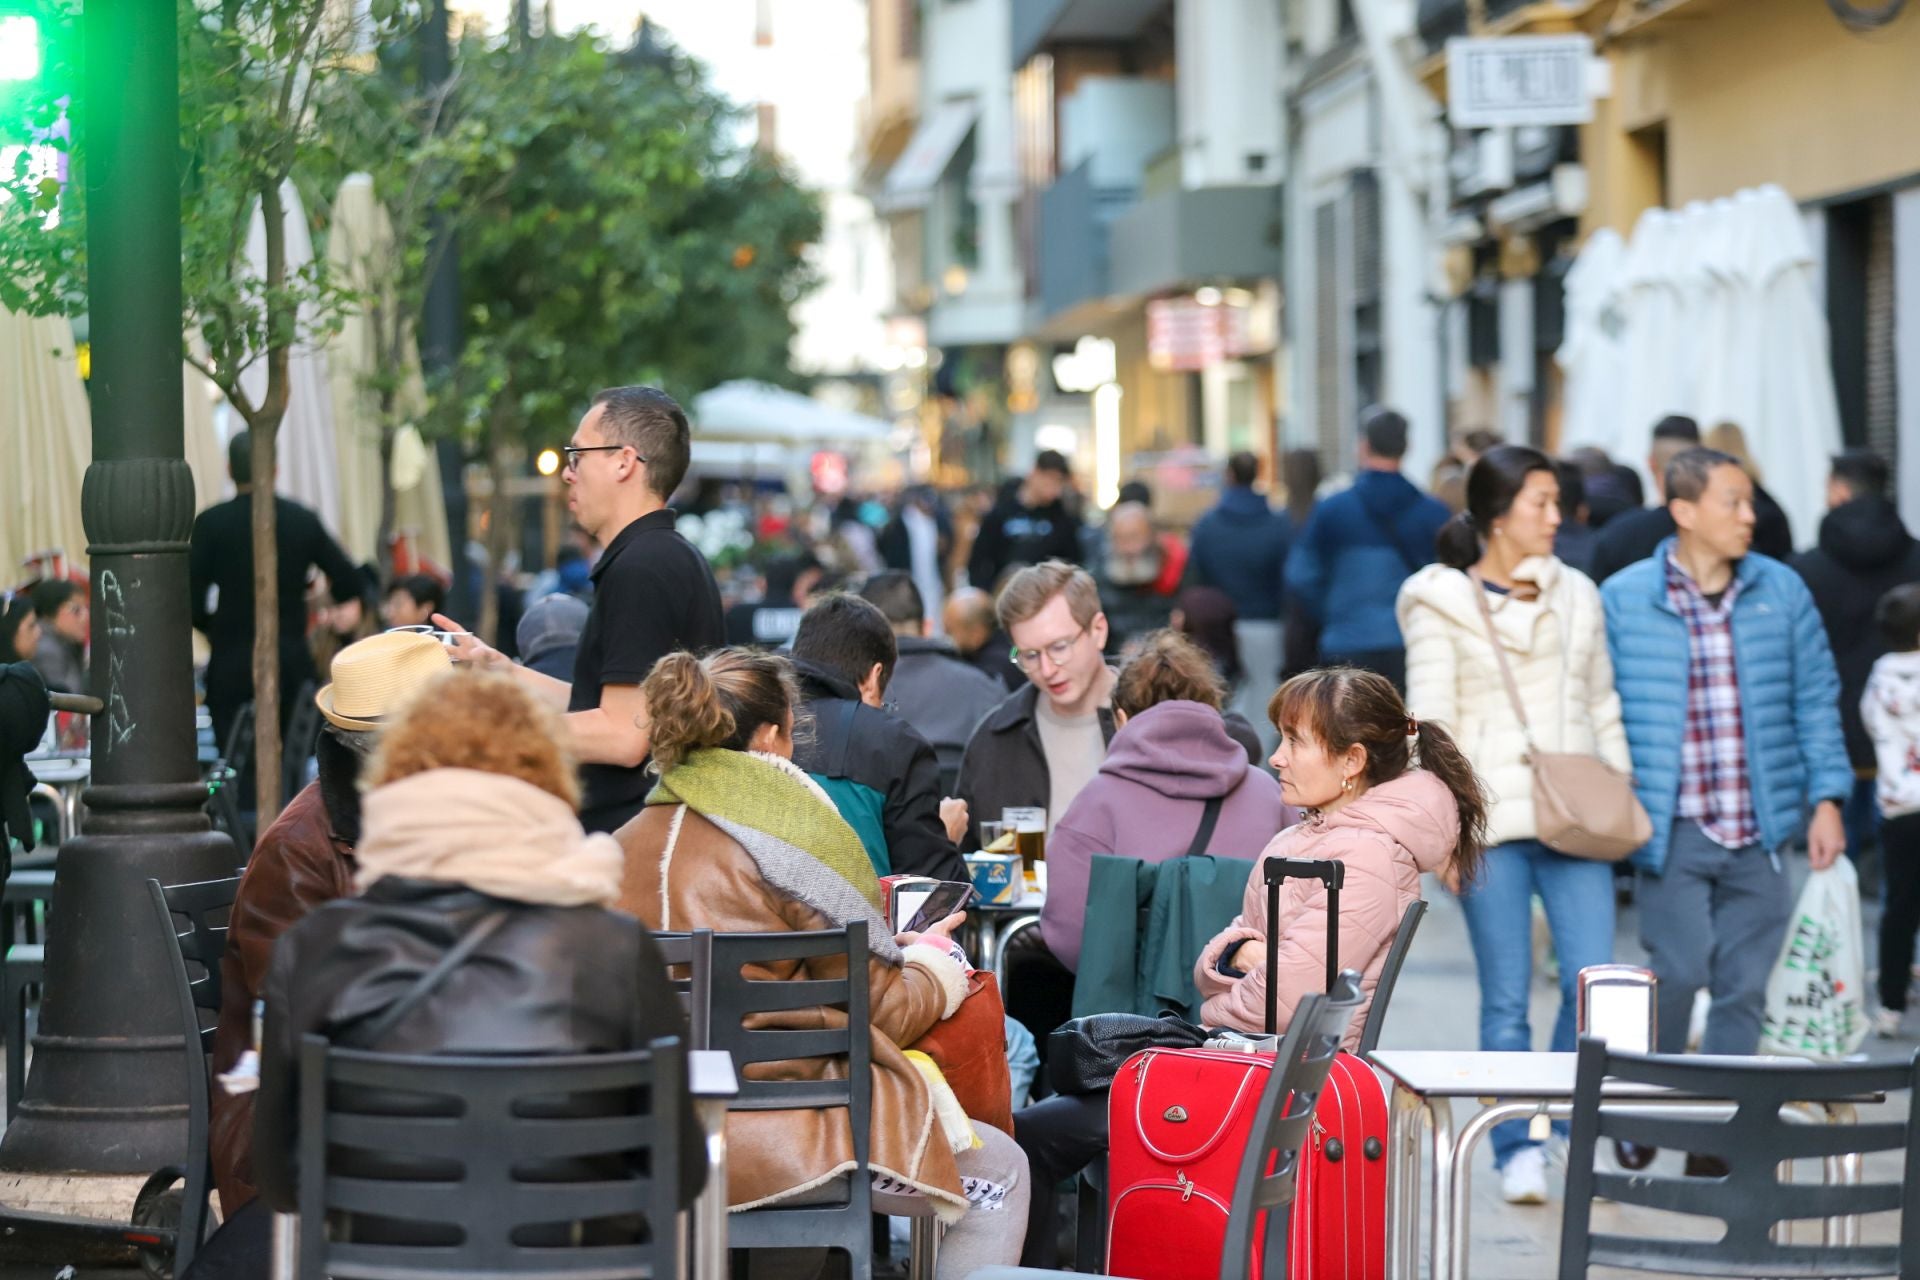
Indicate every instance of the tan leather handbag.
{"type": "Point", "coordinates": [1582, 806]}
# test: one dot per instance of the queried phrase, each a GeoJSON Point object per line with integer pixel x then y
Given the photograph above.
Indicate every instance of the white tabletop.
{"type": "Point", "coordinates": [1465, 1073]}
{"type": "Point", "coordinates": [59, 769]}
{"type": "Point", "coordinates": [710, 1074]}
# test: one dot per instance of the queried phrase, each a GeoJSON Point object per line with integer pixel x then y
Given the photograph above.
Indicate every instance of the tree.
{"type": "Point", "coordinates": [634, 239]}
{"type": "Point", "coordinates": [250, 71]}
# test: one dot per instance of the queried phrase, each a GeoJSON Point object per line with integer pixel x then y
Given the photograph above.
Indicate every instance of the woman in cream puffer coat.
{"type": "Point", "coordinates": [1550, 625]}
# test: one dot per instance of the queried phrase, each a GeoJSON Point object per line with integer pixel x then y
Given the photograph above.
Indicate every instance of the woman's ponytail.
{"type": "Point", "coordinates": [686, 709]}
{"type": "Point", "coordinates": [1457, 545]}
{"type": "Point", "coordinates": [1441, 756]}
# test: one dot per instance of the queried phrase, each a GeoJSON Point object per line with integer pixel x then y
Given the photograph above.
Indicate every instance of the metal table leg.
{"type": "Point", "coordinates": [1011, 930]}
{"type": "Point", "coordinates": [286, 1246]}
{"type": "Point", "coordinates": [710, 1210]}
{"type": "Point", "coordinates": [1440, 1113]}
{"type": "Point", "coordinates": [1405, 1116]}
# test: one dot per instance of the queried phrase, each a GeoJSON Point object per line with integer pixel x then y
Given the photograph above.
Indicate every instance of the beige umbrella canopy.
{"type": "Point", "coordinates": [360, 249]}
{"type": "Point", "coordinates": [46, 442]}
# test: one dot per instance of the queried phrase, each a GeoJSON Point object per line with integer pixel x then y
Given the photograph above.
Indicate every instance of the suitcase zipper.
{"type": "Point", "coordinates": [1319, 1132]}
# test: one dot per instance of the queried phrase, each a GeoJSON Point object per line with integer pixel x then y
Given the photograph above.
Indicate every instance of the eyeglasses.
{"type": "Point", "coordinates": [1029, 659]}
{"type": "Point", "coordinates": [570, 453]}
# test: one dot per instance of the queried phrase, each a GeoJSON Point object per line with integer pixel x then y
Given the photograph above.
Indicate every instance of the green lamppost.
{"type": "Point", "coordinates": [106, 1091]}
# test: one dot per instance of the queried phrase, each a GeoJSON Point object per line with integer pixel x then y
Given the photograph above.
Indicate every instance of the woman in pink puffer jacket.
{"type": "Point", "coordinates": [1389, 797]}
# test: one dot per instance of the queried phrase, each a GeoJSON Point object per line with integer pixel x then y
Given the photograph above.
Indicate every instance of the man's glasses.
{"type": "Point", "coordinates": [570, 453]}
{"type": "Point", "coordinates": [1029, 659]}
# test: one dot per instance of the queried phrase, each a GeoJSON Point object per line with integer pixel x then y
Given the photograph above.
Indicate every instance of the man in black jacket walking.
{"type": "Point", "coordinates": [220, 578]}
{"type": "Point", "coordinates": [880, 773]}
{"type": "Point", "coordinates": [1028, 525]}
{"type": "Point", "coordinates": [1864, 552]}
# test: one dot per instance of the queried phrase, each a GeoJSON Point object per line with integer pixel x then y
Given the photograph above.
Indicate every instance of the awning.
{"type": "Point", "coordinates": [911, 182]}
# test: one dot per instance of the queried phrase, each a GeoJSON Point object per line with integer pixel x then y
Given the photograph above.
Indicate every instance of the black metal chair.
{"type": "Point", "coordinates": [1270, 1166]}
{"type": "Point", "coordinates": [194, 963]}
{"type": "Point", "coordinates": [694, 953]}
{"type": "Point", "coordinates": [845, 1222]}
{"type": "Point", "coordinates": [302, 738]}
{"type": "Point", "coordinates": [1390, 975]}
{"type": "Point", "coordinates": [225, 805]}
{"type": "Point", "coordinates": [1751, 1200]}
{"type": "Point", "coordinates": [479, 1166]}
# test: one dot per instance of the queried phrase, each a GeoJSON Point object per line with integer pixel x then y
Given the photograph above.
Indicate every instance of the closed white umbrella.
{"type": "Point", "coordinates": [309, 464]}
{"type": "Point", "coordinates": [205, 456]}
{"type": "Point", "coordinates": [1593, 353]}
{"type": "Point", "coordinates": [1797, 428]}
{"type": "Point", "coordinates": [46, 441]}
{"type": "Point", "coordinates": [1656, 377]}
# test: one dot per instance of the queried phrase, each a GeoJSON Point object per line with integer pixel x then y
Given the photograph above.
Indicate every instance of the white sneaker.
{"type": "Point", "coordinates": [1886, 1023]}
{"type": "Point", "coordinates": [1524, 1180]}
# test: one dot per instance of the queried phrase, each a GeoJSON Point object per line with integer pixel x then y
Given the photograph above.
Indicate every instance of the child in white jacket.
{"type": "Point", "coordinates": [1891, 709]}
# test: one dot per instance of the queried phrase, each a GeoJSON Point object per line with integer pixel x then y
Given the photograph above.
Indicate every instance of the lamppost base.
{"type": "Point", "coordinates": [104, 1199]}
{"type": "Point", "coordinates": [105, 1092]}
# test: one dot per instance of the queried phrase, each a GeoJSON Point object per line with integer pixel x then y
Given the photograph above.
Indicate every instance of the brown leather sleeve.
{"type": "Point", "coordinates": [296, 867]}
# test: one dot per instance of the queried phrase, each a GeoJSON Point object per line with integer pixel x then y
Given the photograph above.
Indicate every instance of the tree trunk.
{"type": "Point", "coordinates": [264, 429]}
{"type": "Point", "coordinates": [383, 538]}
{"type": "Point", "coordinates": [498, 504]}
{"type": "Point", "coordinates": [266, 631]}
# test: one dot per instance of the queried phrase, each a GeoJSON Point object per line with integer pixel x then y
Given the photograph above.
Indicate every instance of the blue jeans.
{"type": "Point", "coordinates": [1578, 894]}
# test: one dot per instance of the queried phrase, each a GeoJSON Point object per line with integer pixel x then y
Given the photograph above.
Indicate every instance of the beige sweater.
{"type": "Point", "coordinates": [1557, 647]}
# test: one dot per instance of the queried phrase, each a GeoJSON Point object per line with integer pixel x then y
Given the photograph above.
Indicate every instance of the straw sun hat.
{"type": "Point", "coordinates": [372, 677]}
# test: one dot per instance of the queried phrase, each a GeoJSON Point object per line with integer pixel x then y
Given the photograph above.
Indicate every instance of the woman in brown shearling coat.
{"type": "Point", "coordinates": [738, 839]}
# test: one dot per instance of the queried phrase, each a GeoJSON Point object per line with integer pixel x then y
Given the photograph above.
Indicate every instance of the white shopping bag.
{"type": "Point", "coordinates": [1816, 995]}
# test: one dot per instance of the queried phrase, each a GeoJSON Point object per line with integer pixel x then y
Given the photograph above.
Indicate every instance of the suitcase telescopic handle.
{"type": "Point", "coordinates": [1331, 872]}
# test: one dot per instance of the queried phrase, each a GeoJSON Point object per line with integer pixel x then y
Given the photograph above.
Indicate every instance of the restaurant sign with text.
{"type": "Point", "coordinates": [1519, 80]}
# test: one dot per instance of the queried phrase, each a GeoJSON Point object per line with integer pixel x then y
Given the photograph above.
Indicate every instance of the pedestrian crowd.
{"type": "Point", "coordinates": [1371, 673]}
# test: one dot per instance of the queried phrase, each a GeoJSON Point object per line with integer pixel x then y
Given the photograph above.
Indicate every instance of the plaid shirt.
{"type": "Point", "coordinates": [1714, 790]}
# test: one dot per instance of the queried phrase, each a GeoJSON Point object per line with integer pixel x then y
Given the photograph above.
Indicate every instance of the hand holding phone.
{"type": "Point", "coordinates": [945, 898]}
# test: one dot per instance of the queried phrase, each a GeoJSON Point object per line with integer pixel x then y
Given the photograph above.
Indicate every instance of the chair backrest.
{"type": "Point", "coordinates": [845, 1225]}
{"type": "Point", "coordinates": [1754, 1142]}
{"type": "Point", "coordinates": [237, 750]}
{"type": "Point", "coordinates": [197, 948]}
{"type": "Point", "coordinates": [303, 736]}
{"type": "Point", "coordinates": [1390, 974]}
{"type": "Point", "coordinates": [192, 957]}
{"type": "Point", "coordinates": [1280, 1128]}
{"type": "Point", "coordinates": [694, 953]}
{"type": "Point", "coordinates": [736, 997]}
{"type": "Point", "coordinates": [484, 1166]}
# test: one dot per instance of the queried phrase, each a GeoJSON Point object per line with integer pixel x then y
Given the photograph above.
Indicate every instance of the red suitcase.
{"type": "Point", "coordinates": [1181, 1119]}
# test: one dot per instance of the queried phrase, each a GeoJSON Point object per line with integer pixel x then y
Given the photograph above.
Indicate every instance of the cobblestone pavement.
{"type": "Point", "coordinates": [1437, 1007]}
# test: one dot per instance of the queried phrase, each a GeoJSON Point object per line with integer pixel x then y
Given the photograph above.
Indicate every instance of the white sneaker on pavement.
{"type": "Point", "coordinates": [1886, 1023]}
{"type": "Point", "coordinates": [1524, 1179]}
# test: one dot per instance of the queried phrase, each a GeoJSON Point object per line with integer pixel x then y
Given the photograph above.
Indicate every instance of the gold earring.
{"type": "Point", "coordinates": [1346, 786]}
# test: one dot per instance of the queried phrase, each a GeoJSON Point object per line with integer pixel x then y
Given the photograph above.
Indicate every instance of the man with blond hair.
{"type": "Point", "coordinates": [1046, 740]}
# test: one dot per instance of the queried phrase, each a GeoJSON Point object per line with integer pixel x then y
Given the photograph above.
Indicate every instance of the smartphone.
{"type": "Point", "coordinates": [945, 898]}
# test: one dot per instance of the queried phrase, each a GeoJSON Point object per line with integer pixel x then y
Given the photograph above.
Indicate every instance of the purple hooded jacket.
{"type": "Point", "coordinates": [1161, 768]}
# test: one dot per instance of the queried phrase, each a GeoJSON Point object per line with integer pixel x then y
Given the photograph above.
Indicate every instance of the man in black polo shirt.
{"type": "Point", "coordinates": [653, 592]}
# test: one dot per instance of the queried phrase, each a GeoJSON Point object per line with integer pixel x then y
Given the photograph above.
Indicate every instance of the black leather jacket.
{"type": "Point", "coordinates": [551, 980]}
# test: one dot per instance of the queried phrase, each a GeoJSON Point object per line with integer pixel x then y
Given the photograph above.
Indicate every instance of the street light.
{"type": "Point", "coordinates": [19, 48]}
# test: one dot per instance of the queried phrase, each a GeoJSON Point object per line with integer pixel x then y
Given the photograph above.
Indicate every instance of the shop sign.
{"type": "Point", "coordinates": [1519, 80]}
{"type": "Point", "coordinates": [1186, 335]}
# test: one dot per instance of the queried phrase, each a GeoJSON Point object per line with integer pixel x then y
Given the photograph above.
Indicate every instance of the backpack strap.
{"type": "Point", "coordinates": [1209, 815]}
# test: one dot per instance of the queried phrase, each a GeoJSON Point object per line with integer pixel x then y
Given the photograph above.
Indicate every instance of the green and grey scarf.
{"type": "Point", "coordinates": [789, 828]}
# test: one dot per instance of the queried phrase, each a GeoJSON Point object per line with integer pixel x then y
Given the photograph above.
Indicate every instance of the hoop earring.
{"type": "Point", "coordinates": [1346, 786]}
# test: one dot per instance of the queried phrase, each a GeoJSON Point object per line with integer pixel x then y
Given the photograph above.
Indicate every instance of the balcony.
{"type": "Point", "coordinates": [1039, 23]}
{"type": "Point", "coordinates": [1075, 215]}
{"type": "Point", "coordinates": [1175, 238]}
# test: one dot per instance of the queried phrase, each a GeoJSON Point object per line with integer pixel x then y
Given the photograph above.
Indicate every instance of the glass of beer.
{"type": "Point", "coordinates": [1030, 837]}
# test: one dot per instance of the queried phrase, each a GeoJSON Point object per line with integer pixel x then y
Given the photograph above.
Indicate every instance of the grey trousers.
{"type": "Point", "coordinates": [1713, 918]}
{"type": "Point", "coordinates": [1262, 648]}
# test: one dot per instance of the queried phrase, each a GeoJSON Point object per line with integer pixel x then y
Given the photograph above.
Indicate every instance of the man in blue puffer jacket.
{"type": "Point", "coordinates": [1731, 702]}
{"type": "Point", "coordinates": [1359, 545]}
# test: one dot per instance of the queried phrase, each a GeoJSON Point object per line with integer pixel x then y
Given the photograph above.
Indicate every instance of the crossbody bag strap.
{"type": "Point", "coordinates": [1500, 656]}
{"type": "Point", "coordinates": [1209, 815]}
{"type": "Point", "coordinates": [478, 932]}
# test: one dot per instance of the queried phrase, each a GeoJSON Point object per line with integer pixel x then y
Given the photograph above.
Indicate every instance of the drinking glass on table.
{"type": "Point", "coordinates": [991, 833]}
